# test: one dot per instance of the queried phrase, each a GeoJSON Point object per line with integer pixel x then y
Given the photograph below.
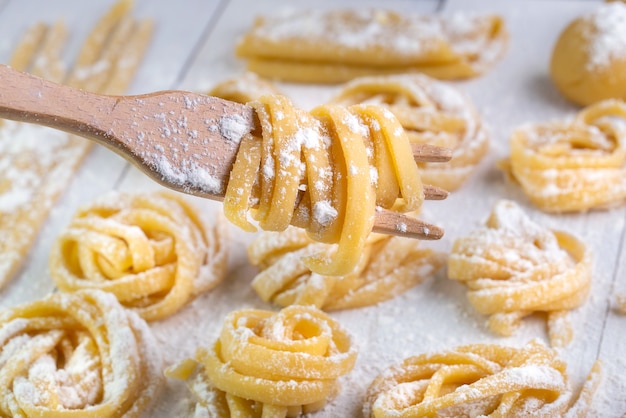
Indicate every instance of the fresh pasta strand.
{"type": "Point", "coordinates": [76, 354]}
{"type": "Point", "coordinates": [37, 163]}
{"type": "Point", "coordinates": [325, 171]}
{"type": "Point", "coordinates": [315, 46]}
{"type": "Point", "coordinates": [152, 250]}
{"type": "Point", "coordinates": [388, 266]}
{"type": "Point", "coordinates": [269, 364]}
{"type": "Point", "coordinates": [572, 165]}
{"type": "Point", "coordinates": [513, 268]}
{"type": "Point", "coordinates": [480, 380]}
{"type": "Point", "coordinates": [430, 112]}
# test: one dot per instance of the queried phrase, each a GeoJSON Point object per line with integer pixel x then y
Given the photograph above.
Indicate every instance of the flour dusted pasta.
{"type": "Point", "coordinates": [339, 45]}
{"type": "Point", "coordinates": [575, 164]}
{"type": "Point", "coordinates": [431, 112]}
{"type": "Point", "coordinates": [37, 163]}
{"type": "Point", "coordinates": [513, 268]}
{"type": "Point", "coordinates": [270, 364]}
{"type": "Point", "coordinates": [76, 354]}
{"type": "Point", "coordinates": [325, 171]}
{"type": "Point", "coordinates": [388, 266]}
{"type": "Point", "coordinates": [480, 380]}
{"type": "Point", "coordinates": [152, 250]}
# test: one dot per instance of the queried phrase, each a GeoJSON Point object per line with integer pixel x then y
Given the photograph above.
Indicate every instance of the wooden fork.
{"type": "Point", "coordinates": [184, 141]}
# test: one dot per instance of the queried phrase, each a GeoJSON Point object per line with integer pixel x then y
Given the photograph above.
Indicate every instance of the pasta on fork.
{"type": "Point", "coordinates": [326, 171]}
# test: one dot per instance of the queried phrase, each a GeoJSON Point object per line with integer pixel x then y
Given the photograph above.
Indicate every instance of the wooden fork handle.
{"type": "Point", "coordinates": [135, 127]}
{"type": "Point", "coordinates": [27, 98]}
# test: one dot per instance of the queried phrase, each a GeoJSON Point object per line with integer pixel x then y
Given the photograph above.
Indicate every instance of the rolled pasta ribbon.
{"type": "Point", "coordinates": [513, 268]}
{"type": "Point", "coordinates": [152, 251]}
{"type": "Point", "coordinates": [480, 380]}
{"type": "Point", "coordinates": [573, 165]}
{"type": "Point", "coordinates": [431, 112]}
{"type": "Point", "coordinates": [76, 354]}
{"type": "Point", "coordinates": [335, 46]}
{"type": "Point", "coordinates": [326, 171]}
{"type": "Point", "coordinates": [388, 266]}
{"type": "Point", "coordinates": [270, 364]}
{"type": "Point", "coordinates": [243, 89]}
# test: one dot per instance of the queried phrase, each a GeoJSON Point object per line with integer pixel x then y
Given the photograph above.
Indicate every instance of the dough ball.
{"type": "Point", "coordinates": [589, 59]}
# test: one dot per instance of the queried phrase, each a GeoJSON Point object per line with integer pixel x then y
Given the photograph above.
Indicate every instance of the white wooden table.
{"type": "Point", "coordinates": [193, 49]}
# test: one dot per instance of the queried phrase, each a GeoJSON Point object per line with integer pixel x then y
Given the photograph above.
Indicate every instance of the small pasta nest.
{"type": "Point", "coordinates": [152, 251]}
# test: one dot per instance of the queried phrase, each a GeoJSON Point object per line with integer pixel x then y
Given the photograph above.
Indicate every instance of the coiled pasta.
{"type": "Point", "coordinates": [573, 165]}
{"type": "Point", "coordinates": [325, 171]}
{"type": "Point", "coordinates": [431, 112]}
{"type": "Point", "coordinates": [388, 266]}
{"type": "Point", "coordinates": [332, 46]}
{"type": "Point", "coordinates": [513, 268]}
{"type": "Point", "coordinates": [270, 364]}
{"type": "Point", "coordinates": [480, 380]}
{"type": "Point", "coordinates": [152, 250]}
{"type": "Point", "coordinates": [76, 354]}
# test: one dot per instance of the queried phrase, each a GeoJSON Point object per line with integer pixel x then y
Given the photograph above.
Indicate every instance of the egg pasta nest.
{"type": "Point", "coordinates": [153, 251]}
{"type": "Point", "coordinates": [388, 266]}
{"type": "Point", "coordinates": [331, 46]}
{"type": "Point", "coordinates": [76, 354]}
{"type": "Point", "coordinates": [573, 165]}
{"type": "Point", "coordinates": [431, 112]}
{"type": "Point", "coordinates": [513, 267]}
{"type": "Point", "coordinates": [269, 364]}
{"type": "Point", "coordinates": [487, 380]}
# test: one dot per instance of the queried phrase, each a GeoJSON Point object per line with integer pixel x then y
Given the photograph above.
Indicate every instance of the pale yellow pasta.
{"type": "Point", "coordinates": [486, 380]}
{"type": "Point", "coordinates": [243, 89]}
{"type": "Point", "coordinates": [152, 251]}
{"type": "Point", "coordinates": [325, 171]}
{"type": "Point", "coordinates": [270, 364]}
{"type": "Point", "coordinates": [338, 45]}
{"type": "Point", "coordinates": [76, 355]}
{"type": "Point", "coordinates": [37, 163]}
{"type": "Point", "coordinates": [573, 165]}
{"type": "Point", "coordinates": [388, 266]}
{"type": "Point", "coordinates": [514, 267]}
{"type": "Point", "coordinates": [431, 112]}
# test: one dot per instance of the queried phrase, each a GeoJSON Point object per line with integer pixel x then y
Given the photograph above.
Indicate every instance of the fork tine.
{"type": "Point", "coordinates": [434, 193]}
{"type": "Point", "coordinates": [425, 153]}
{"type": "Point", "coordinates": [394, 223]}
